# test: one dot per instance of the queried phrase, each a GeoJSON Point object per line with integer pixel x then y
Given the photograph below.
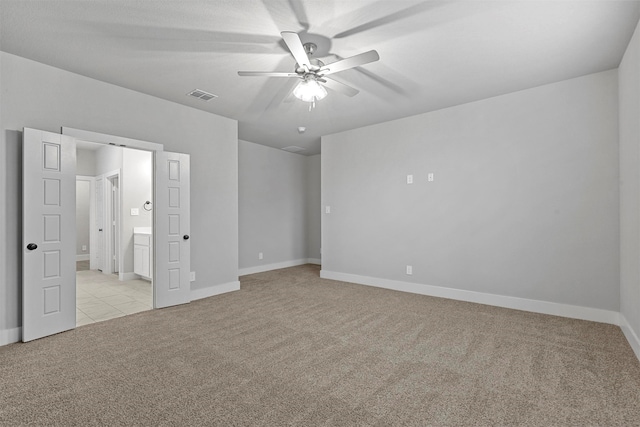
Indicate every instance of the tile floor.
{"type": "Point", "coordinates": [102, 296]}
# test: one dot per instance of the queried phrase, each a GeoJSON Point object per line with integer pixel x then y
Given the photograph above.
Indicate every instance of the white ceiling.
{"type": "Point", "coordinates": [433, 54]}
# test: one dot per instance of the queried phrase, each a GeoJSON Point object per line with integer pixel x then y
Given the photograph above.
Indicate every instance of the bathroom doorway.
{"type": "Point", "coordinates": [114, 199]}
{"type": "Point", "coordinates": [49, 220]}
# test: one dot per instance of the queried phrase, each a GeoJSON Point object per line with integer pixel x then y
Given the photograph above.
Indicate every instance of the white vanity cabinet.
{"type": "Point", "coordinates": [142, 252]}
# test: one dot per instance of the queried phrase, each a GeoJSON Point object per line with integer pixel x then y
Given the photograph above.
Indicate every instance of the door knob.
{"type": "Point", "coordinates": [185, 237]}
{"type": "Point", "coordinates": [32, 246]}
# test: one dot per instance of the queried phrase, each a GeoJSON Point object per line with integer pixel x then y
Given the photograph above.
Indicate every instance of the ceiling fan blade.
{"type": "Point", "coordinates": [353, 61]}
{"type": "Point", "coordinates": [339, 87]}
{"type": "Point", "coordinates": [289, 14]}
{"type": "Point", "coordinates": [384, 82]}
{"type": "Point", "coordinates": [399, 15]}
{"type": "Point", "coordinates": [266, 74]}
{"type": "Point", "coordinates": [295, 46]}
{"type": "Point", "coordinates": [301, 16]}
{"type": "Point", "coordinates": [181, 40]}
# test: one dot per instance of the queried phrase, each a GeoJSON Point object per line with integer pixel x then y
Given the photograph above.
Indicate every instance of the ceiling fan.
{"type": "Point", "coordinates": [313, 72]}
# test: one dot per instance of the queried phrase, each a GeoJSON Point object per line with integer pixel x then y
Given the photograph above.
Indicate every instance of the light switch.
{"type": "Point", "coordinates": [430, 177]}
{"type": "Point", "coordinates": [135, 211]}
{"type": "Point", "coordinates": [327, 209]}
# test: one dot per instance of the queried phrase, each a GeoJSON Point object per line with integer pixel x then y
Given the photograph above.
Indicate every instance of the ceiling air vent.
{"type": "Point", "coordinates": [202, 95]}
{"type": "Point", "coordinates": [293, 149]}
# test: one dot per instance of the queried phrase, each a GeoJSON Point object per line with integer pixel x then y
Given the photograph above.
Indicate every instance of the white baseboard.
{"type": "Point", "coordinates": [630, 334]}
{"type": "Point", "coordinates": [316, 261]}
{"type": "Point", "coordinates": [9, 336]}
{"type": "Point", "coordinates": [269, 267]}
{"type": "Point", "coordinates": [214, 290]}
{"type": "Point", "coordinates": [544, 307]}
{"type": "Point", "coordinates": [83, 257]}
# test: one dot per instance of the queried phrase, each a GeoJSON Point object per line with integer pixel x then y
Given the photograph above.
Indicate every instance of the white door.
{"type": "Point", "coordinates": [171, 239]}
{"type": "Point", "coordinates": [109, 218]}
{"type": "Point", "coordinates": [49, 234]}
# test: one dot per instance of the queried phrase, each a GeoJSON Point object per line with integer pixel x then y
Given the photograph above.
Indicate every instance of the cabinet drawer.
{"type": "Point", "coordinates": [141, 239]}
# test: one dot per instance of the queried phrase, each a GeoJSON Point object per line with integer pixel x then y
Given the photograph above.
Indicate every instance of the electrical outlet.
{"type": "Point", "coordinates": [409, 270]}
{"type": "Point", "coordinates": [327, 209]}
{"type": "Point", "coordinates": [84, 248]}
{"type": "Point", "coordinates": [135, 212]}
{"type": "Point", "coordinates": [192, 276]}
{"type": "Point", "coordinates": [409, 179]}
{"type": "Point", "coordinates": [260, 256]}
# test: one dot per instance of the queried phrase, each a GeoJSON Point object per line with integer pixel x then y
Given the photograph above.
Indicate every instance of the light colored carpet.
{"type": "Point", "coordinates": [292, 349]}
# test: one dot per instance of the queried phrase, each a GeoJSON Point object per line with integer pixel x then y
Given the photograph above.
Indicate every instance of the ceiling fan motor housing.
{"type": "Point", "coordinates": [310, 48]}
{"type": "Point", "coordinates": [316, 64]}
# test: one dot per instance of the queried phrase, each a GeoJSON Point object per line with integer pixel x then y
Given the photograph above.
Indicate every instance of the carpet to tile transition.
{"type": "Point", "coordinates": [292, 349]}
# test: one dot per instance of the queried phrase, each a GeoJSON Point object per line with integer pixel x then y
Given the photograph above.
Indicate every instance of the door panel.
{"type": "Point", "coordinates": [172, 242]}
{"type": "Point", "coordinates": [49, 234]}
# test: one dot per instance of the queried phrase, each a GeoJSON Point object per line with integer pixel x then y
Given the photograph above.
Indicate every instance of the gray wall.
{"type": "Point", "coordinates": [42, 97]}
{"type": "Point", "coordinates": [85, 166]}
{"type": "Point", "coordinates": [272, 205]}
{"type": "Point", "coordinates": [137, 187]}
{"type": "Point", "coordinates": [314, 218]}
{"type": "Point", "coordinates": [83, 209]}
{"type": "Point", "coordinates": [524, 201]}
{"type": "Point", "coordinates": [629, 98]}
{"type": "Point", "coordinates": [85, 162]}
{"type": "Point", "coordinates": [108, 159]}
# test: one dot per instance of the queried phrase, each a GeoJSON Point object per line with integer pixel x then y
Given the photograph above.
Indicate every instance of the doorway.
{"type": "Point", "coordinates": [106, 285]}
{"type": "Point", "coordinates": [49, 220]}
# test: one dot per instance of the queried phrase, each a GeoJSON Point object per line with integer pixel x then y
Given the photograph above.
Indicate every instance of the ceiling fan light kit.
{"type": "Point", "coordinates": [312, 71]}
{"type": "Point", "coordinates": [309, 90]}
